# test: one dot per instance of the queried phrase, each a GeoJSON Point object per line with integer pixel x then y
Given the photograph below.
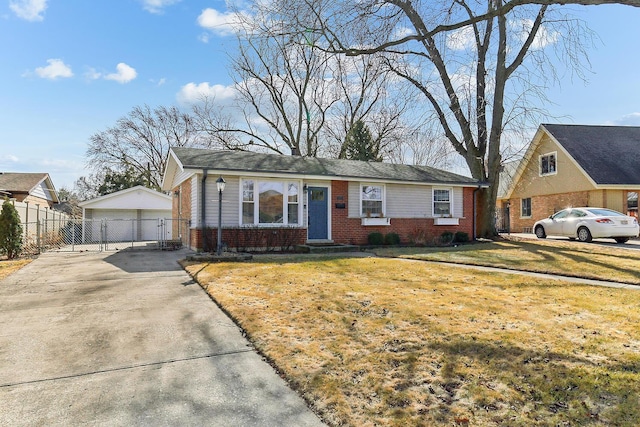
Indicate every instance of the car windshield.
{"type": "Point", "coordinates": [604, 212]}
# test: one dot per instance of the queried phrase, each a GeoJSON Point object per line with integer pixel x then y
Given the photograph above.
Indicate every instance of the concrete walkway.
{"type": "Point", "coordinates": [545, 276]}
{"type": "Point", "coordinates": [127, 338]}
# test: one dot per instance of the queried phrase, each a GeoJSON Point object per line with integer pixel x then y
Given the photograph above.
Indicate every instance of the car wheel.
{"type": "Point", "coordinates": [540, 234]}
{"type": "Point", "coordinates": [622, 239]}
{"type": "Point", "coordinates": [584, 235]}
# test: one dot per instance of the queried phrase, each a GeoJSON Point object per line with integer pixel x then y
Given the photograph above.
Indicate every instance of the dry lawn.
{"type": "Point", "coordinates": [9, 266]}
{"type": "Point", "coordinates": [558, 257]}
{"type": "Point", "coordinates": [376, 341]}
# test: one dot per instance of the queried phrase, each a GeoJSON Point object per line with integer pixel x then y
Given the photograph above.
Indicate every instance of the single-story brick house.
{"type": "Point", "coordinates": [308, 200]}
{"type": "Point", "coordinates": [573, 165]}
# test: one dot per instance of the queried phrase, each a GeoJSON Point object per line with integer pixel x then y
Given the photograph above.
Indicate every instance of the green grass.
{"type": "Point", "coordinates": [377, 341]}
{"type": "Point", "coordinates": [565, 258]}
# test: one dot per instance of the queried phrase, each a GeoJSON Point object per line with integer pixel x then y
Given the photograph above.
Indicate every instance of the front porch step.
{"type": "Point", "coordinates": [316, 248]}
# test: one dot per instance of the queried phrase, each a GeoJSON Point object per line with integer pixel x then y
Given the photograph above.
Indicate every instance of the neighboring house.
{"type": "Point", "coordinates": [314, 200]}
{"type": "Point", "coordinates": [134, 213]}
{"type": "Point", "coordinates": [35, 188]}
{"type": "Point", "coordinates": [574, 165]}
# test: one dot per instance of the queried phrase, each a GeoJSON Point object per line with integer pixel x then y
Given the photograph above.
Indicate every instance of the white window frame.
{"type": "Point", "coordinates": [433, 202]}
{"type": "Point", "coordinates": [383, 200]}
{"type": "Point", "coordinates": [530, 207]}
{"type": "Point", "coordinates": [555, 157]}
{"type": "Point", "coordinates": [285, 202]}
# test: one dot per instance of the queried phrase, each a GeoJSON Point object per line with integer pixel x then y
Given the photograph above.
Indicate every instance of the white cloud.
{"type": "Point", "coordinates": [461, 39]}
{"type": "Point", "coordinates": [543, 38]}
{"type": "Point", "coordinates": [123, 74]}
{"type": "Point", "coordinates": [31, 10]}
{"type": "Point", "coordinates": [10, 158]}
{"type": "Point", "coordinates": [401, 32]}
{"type": "Point", "coordinates": [92, 74]}
{"type": "Point", "coordinates": [632, 119]}
{"type": "Point", "coordinates": [192, 92]}
{"type": "Point", "coordinates": [220, 23]}
{"type": "Point", "coordinates": [56, 69]}
{"type": "Point", "coordinates": [157, 6]}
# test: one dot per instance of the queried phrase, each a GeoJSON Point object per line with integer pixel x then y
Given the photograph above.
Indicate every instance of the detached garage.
{"type": "Point", "coordinates": [134, 214]}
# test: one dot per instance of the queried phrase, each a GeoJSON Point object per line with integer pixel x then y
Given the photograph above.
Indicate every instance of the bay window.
{"type": "Point", "coordinates": [267, 202]}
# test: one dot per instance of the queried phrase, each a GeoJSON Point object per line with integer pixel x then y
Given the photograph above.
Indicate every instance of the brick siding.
{"type": "Point", "coordinates": [542, 207]}
{"type": "Point", "coordinates": [411, 230]}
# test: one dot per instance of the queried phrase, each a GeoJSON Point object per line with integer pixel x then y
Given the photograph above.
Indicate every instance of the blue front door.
{"type": "Point", "coordinates": [318, 213]}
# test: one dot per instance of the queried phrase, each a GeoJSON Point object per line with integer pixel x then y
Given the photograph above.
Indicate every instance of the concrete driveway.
{"type": "Point", "coordinates": [127, 338]}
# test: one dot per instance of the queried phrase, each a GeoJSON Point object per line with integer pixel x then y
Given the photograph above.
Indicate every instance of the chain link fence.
{"type": "Point", "coordinates": [77, 235]}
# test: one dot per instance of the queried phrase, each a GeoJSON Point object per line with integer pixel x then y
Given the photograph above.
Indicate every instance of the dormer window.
{"type": "Point", "coordinates": [548, 164]}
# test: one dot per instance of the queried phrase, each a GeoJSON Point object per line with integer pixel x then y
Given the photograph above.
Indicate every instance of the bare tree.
{"type": "Point", "coordinates": [140, 142]}
{"type": "Point", "coordinates": [480, 66]}
{"type": "Point", "coordinates": [294, 98]}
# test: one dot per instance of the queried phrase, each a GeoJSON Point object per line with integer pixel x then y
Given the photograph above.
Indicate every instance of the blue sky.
{"type": "Point", "coordinates": [71, 68]}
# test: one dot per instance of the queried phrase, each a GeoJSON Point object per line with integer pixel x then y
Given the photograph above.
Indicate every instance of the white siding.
{"type": "Point", "coordinates": [406, 201]}
{"type": "Point", "coordinates": [42, 191]}
{"type": "Point", "coordinates": [458, 203]}
{"type": "Point", "coordinates": [230, 202]}
{"type": "Point", "coordinates": [354, 200]}
{"type": "Point", "coordinates": [195, 201]}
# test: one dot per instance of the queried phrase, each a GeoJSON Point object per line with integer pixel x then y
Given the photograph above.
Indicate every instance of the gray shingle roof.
{"type": "Point", "coordinates": [239, 161]}
{"type": "Point", "coordinates": [16, 182]}
{"type": "Point", "coordinates": [608, 154]}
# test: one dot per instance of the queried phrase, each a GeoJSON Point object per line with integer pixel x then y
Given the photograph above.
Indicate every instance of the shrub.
{"type": "Point", "coordinates": [446, 238]}
{"type": "Point", "coordinates": [392, 239]}
{"type": "Point", "coordinates": [10, 230]}
{"type": "Point", "coordinates": [461, 237]}
{"type": "Point", "coordinates": [375, 238]}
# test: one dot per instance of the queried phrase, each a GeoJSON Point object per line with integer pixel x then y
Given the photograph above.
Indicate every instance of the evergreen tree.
{"type": "Point", "coordinates": [359, 145]}
{"type": "Point", "coordinates": [10, 230]}
{"type": "Point", "coordinates": [116, 181]}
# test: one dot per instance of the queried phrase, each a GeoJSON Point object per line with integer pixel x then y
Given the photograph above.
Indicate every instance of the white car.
{"type": "Point", "coordinates": [586, 224]}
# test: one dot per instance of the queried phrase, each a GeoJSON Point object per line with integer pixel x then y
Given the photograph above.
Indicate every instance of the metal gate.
{"type": "Point", "coordinates": [77, 235]}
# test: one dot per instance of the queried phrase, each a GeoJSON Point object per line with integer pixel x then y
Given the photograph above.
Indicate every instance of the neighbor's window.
{"type": "Point", "coordinates": [525, 210]}
{"type": "Point", "coordinates": [548, 164]}
{"type": "Point", "coordinates": [274, 202]}
{"type": "Point", "coordinates": [442, 202]}
{"type": "Point", "coordinates": [371, 200]}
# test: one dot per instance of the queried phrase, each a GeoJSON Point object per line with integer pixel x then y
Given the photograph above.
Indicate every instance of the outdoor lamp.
{"type": "Point", "coordinates": [220, 184]}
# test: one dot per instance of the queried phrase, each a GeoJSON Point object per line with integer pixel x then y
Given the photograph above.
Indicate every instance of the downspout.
{"type": "Point", "coordinates": [203, 211]}
{"type": "Point", "coordinates": [475, 212]}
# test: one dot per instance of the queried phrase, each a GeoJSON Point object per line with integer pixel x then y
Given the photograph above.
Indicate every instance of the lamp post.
{"type": "Point", "coordinates": [220, 184]}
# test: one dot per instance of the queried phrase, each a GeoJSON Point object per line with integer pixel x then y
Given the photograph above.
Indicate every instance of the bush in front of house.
{"type": "Point", "coordinates": [10, 230]}
{"type": "Point", "coordinates": [446, 238]}
{"type": "Point", "coordinates": [392, 239]}
{"type": "Point", "coordinates": [375, 238]}
{"type": "Point", "coordinates": [461, 237]}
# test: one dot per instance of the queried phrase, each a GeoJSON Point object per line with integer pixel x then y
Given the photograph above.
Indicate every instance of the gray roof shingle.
{"type": "Point", "coordinates": [238, 161]}
{"type": "Point", "coordinates": [610, 155]}
{"type": "Point", "coordinates": [17, 182]}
